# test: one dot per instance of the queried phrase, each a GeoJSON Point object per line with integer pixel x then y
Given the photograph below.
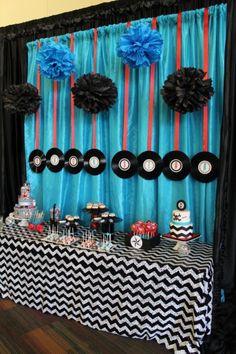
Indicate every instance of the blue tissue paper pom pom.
{"type": "Point", "coordinates": [140, 46]}
{"type": "Point", "coordinates": [55, 60]}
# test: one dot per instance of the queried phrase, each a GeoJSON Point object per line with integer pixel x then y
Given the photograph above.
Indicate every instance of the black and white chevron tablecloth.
{"type": "Point", "coordinates": [155, 295]}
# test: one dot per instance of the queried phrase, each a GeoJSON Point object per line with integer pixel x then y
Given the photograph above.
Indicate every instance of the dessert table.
{"type": "Point", "coordinates": [155, 295]}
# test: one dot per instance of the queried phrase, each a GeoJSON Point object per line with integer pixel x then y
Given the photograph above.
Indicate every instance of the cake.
{"type": "Point", "coordinates": [180, 226]}
{"type": "Point", "coordinates": [26, 206]}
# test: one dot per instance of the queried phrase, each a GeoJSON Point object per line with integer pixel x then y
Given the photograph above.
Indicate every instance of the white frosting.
{"type": "Point", "coordinates": [181, 216]}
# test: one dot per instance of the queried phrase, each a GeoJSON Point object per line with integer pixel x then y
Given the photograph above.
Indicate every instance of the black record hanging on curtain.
{"type": "Point", "coordinates": [37, 159]}
{"type": "Point", "coordinates": [150, 163]}
{"type": "Point", "coordinates": [176, 163]}
{"type": "Point", "coordinates": [94, 159]}
{"type": "Point", "coordinates": [124, 163]}
{"type": "Point", "coordinates": [73, 158]}
{"type": "Point", "coordinates": [205, 164]}
{"type": "Point", "coordinates": [54, 157]}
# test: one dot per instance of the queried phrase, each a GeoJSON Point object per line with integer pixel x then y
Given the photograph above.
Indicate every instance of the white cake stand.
{"type": "Point", "coordinates": [181, 246]}
{"type": "Point", "coordinates": [11, 219]}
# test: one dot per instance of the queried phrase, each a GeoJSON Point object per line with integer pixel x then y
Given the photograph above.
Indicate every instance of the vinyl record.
{"type": "Point", "coordinates": [176, 165]}
{"type": "Point", "coordinates": [37, 161]}
{"type": "Point", "coordinates": [74, 161]}
{"type": "Point", "coordinates": [124, 164]}
{"type": "Point", "coordinates": [94, 162]}
{"type": "Point", "coordinates": [181, 205]}
{"type": "Point", "coordinates": [205, 166]}
{"type": "Point", "coordinates": [149, 165]}
{"type": "Point", "coordinates": [55, 160]}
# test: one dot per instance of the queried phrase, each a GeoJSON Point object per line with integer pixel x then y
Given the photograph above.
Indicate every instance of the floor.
{"type": "Point", "coordinates": [27, 331]}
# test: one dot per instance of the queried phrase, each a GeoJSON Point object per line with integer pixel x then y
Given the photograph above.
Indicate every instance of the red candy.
{"type": "Point", "coordinates": [140, 227]}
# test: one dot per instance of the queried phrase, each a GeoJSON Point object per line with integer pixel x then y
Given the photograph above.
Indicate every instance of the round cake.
{"type": "Point", "coordinates": [180, 225]}
{"type": "Point", "coordinates": [26, 206]}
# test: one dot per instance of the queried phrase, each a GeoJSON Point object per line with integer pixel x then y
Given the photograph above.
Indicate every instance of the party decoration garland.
{"type": "Point", "coordinates": [55, 60]}
{"type": "Point", "coordinates": [23, 98]}
{"type": "Point", "coordinates": [186, 90]}
{"type": "Point", "coordinates": [140, 46]}
{"type": "Point", "coordinates": [94, 93]}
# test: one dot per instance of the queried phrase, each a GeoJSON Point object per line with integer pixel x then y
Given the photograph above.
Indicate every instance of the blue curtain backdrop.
{"type": "Point", "coordinates": [135, 198]}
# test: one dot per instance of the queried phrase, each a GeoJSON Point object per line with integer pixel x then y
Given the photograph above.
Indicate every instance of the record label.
{"type": "Point", "coordinates": [54, 159]}
{"type": "Point", "coordinates": [176, 165]}
{"type": "Point", "coordinates": [94, 162]}
{"type": "Point", "coordinates": [124, 164]}
{"type": "Point", "coordinates": [149, 165]}
{"type": "Point", "coordinates": [204, 167]}
{"type": "Point", "coordinates": [37, 161]}
{"type": "Point", "coordinates": [73, 161]}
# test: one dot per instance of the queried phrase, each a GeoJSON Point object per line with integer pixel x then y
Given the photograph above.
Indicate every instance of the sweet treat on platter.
{"type": "Point", "coordinates": [144, 235]}
{"type": "Point", "coordinates": [101, 206]}
{"type": "Point", "coordinates": [89, 243]}
{"type": "Point", "coordinates": [26, 206]}
{"type": "Point", "coordinates": [180, 226]}
{"type": "Point", "coordinates": [146, 229]}
{"type": "Point", "coordinates": [95, 206]}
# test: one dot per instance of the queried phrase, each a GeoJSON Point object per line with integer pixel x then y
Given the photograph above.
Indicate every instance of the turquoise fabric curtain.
{"type": "Point", "coordinates": [133, 198]}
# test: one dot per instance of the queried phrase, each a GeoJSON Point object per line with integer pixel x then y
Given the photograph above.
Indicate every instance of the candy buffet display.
{"type": "Point", "coordinates": [144, 235]}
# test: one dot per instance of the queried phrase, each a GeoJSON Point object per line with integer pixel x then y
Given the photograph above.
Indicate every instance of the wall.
{"type": "Point", "coordinates": [17, 11]}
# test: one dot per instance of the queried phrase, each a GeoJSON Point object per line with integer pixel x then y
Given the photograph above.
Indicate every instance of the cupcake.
{"type": "Point", "coordinates": [102, 206]}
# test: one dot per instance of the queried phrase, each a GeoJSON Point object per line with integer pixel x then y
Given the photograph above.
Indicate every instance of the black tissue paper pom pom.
{"type": "Point", "coordinates": [23, 98]}
{"type": "Point", "coordinates": [94, 93]}
{"type": "Point", "coordinates": [186, 90]}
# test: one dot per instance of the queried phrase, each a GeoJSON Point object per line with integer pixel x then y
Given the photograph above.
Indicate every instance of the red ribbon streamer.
{"type": "Point", "coordinates": [205, 68]}
{"type": "Point", "coordinates": [37, 113]}
{"type": "Point", "coordinates": [126, 103]}
{"type": "Point", "coordinates": [178, 66]}
{"type": "Point", "coordinates": [54, 113]}
{"type": "Point", "coordinates": [72, 107]}
{"type": "Point", "coordinates": [55, 109]}
{"type": "Point", "coordinates": [151, 96]}
{"type": "Point", "coordinates": [95, 39]}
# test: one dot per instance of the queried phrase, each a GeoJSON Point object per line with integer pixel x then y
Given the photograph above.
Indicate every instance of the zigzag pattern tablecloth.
{"type": "Point", "coordinates": [155, 295]}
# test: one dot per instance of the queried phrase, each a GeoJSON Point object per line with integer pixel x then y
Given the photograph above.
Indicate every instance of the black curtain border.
{"type": "Point", "coordinates": [100, 15]}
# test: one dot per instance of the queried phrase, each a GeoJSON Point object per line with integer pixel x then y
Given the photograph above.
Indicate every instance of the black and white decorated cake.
{"type": "Point", "coordinates": [180, 225]}
{"type": "Point", "coordinates": [26, 206]}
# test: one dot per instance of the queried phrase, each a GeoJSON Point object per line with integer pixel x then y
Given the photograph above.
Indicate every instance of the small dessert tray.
{"type": "Point", "coordinates": [60, 240]}
{"type": "Point", "coordinates": [95, 210]}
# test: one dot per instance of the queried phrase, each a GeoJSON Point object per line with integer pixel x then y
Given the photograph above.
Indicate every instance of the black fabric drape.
{"type": "Point", "coordinates": [13, 66]}
{"type": "Point", "coordinates": [223, 339]}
